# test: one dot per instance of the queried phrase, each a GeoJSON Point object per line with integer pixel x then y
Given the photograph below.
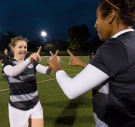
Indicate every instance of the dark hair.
{"type": "Point", "coordinates": [5, 49]}
{"type": "Point", "coordinates": [126, 10]}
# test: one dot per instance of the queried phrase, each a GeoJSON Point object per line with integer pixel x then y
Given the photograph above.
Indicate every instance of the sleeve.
{"type": "Point", "coordinates": [12, 71]}
{"type": "Point", "coordinates": [86, 80]}
{"type": "Point", "coordinates": [111, 57]}
{"type": "Point", "coordinates": [42, 69]}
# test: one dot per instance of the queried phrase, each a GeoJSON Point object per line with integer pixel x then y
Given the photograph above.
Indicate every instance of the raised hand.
{"type": "Point", "coordinates": [54, 62]}
{"type": "Point", "coordinates": [55, 55]}
{"type": "Point", "coordinates": [36, 56]}
{"type": "Point", "coordinates": [75, 61]}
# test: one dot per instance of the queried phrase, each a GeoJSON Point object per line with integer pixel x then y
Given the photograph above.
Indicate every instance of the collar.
{"type": "Point", "coordinates": [121, 32]}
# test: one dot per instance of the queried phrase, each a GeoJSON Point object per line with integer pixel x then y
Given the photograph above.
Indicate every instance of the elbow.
{"type": "Point", "coordinates": [11, 74]}
{"type": "Point", "coordinates": [70, 96]}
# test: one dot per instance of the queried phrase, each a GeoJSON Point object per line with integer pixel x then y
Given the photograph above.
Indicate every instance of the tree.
{"type": "Point", "coordinates": [48, 47]}
{"type": "Point", "coordinates": [59, 45]}
{"type": "Point", "coordinates": [78, 36]}
{"type": "Point", "coordinates": [95, 43]}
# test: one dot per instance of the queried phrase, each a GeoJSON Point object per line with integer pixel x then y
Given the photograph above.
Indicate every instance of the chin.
{"type": "Point", "coordinates": [22, 57]}
{"type": "Point", "coordinates": [102, 38]}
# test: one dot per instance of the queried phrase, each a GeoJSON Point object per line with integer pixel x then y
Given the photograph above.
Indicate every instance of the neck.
{"type": "Point", "coordinates": [19, 60]}
{"type": "Point", "coordinates": [119, 28]}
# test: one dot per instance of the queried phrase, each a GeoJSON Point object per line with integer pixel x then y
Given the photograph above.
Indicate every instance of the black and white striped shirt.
{"type": "Point", "coordinates": [23, 87]}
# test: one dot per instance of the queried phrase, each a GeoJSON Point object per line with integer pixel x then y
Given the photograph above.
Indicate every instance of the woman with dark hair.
{"type": "Point", "coordinates": [110, 74]}
{"type": "Point", "coordinates": [4, 58]}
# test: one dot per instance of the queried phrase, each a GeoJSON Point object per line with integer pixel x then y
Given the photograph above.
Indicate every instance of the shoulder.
{"type": "Point", "coordinates": [113, 47]}
{"type": "Point", "coordinates": [112, 43]}
{"type": "Point", "coordinates": [111, 57]}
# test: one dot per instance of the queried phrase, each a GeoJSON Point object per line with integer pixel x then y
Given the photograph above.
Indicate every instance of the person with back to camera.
{"type": "Point", "coordinates": [110, 74]}
{"type": "Point", "coordinates": [24, 105]}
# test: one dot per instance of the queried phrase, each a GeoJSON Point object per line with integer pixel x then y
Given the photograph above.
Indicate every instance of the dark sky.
{"type": "Point", "coordinates": [28, 18]}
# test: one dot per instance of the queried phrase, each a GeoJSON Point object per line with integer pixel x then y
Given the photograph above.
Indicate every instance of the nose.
{"type": "Point", "coordinates": [95, 26]}
{"type": "Point", "coordinates": [24, 49]}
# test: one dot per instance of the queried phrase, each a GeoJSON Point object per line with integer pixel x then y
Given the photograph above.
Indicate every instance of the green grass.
{"type": "Point", "coordinates": [59, 111]}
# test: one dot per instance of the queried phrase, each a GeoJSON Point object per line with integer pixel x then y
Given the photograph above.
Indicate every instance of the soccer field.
{"type": "Point", "coordinates": [59, 111]}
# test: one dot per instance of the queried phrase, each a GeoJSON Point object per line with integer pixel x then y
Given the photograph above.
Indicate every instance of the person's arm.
{"type": "Point", "coordinates": [17, 69]}
{"type": "Point", "coordinates": [42, 69]}
{"type": "Point", "coordinates": [86, 80]}
{"type": "Point", "coordinates": [46, 69]}
{"type": "Point", "coordinates": [12, 71]}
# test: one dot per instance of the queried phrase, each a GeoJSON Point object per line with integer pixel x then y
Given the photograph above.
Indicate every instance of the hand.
{"type": "Point", "coordinates": [75, 61]}
{"type": "Point", "coordinates": [54, 62]}
{"type": "Point", "coordinates": [56, 54]}
{"type": "Point", "coordinates": [36, 56]}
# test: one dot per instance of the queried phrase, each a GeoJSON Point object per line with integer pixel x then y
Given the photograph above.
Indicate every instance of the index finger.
{"type": "Point", "coordinates": [70, 53]}
{"type": "Point", "coordinates": [51, 54]}
{"type": "Point", "coordinates": [39, 50]}
{"type": "Point", "coordinates": [56, 53]}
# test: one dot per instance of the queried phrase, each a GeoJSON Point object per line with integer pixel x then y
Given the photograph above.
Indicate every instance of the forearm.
{"type": "Point", "coordinates": [86, 80]}
{"type": "Point", "coordinates": [17, 69]}
{"type": "Point", "coordinates": [43, 69]}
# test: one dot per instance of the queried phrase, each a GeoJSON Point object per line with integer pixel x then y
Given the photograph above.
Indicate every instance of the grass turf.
{"type": "Point", "coordinates": [59, 111]}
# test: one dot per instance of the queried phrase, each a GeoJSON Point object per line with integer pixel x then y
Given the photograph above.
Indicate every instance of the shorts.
{"type": "Point", "coordinates": [20, 118]}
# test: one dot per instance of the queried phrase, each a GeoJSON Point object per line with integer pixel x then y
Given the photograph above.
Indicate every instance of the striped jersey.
{"type": "Point", "coordinates": [23, 87]}
{"type": "Point", "coordinates": [114, 100]}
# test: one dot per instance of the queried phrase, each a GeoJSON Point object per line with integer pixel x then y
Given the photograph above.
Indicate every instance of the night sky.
{"type": "Point", "coordinates": [28, 18]}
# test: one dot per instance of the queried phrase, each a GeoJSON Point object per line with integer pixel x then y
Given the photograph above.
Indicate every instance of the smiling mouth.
{"type": "Point", "coordinates": [22, 53]}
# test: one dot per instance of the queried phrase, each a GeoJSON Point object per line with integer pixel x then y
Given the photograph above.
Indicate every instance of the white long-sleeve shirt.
{"type": "Point", "coordinates": [86, 80]}
{"type": "Point", "coordinates": [15, 70]}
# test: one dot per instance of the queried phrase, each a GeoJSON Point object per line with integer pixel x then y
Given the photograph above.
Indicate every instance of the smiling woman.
{"type": "Point", "coordinates": [24, 103]}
